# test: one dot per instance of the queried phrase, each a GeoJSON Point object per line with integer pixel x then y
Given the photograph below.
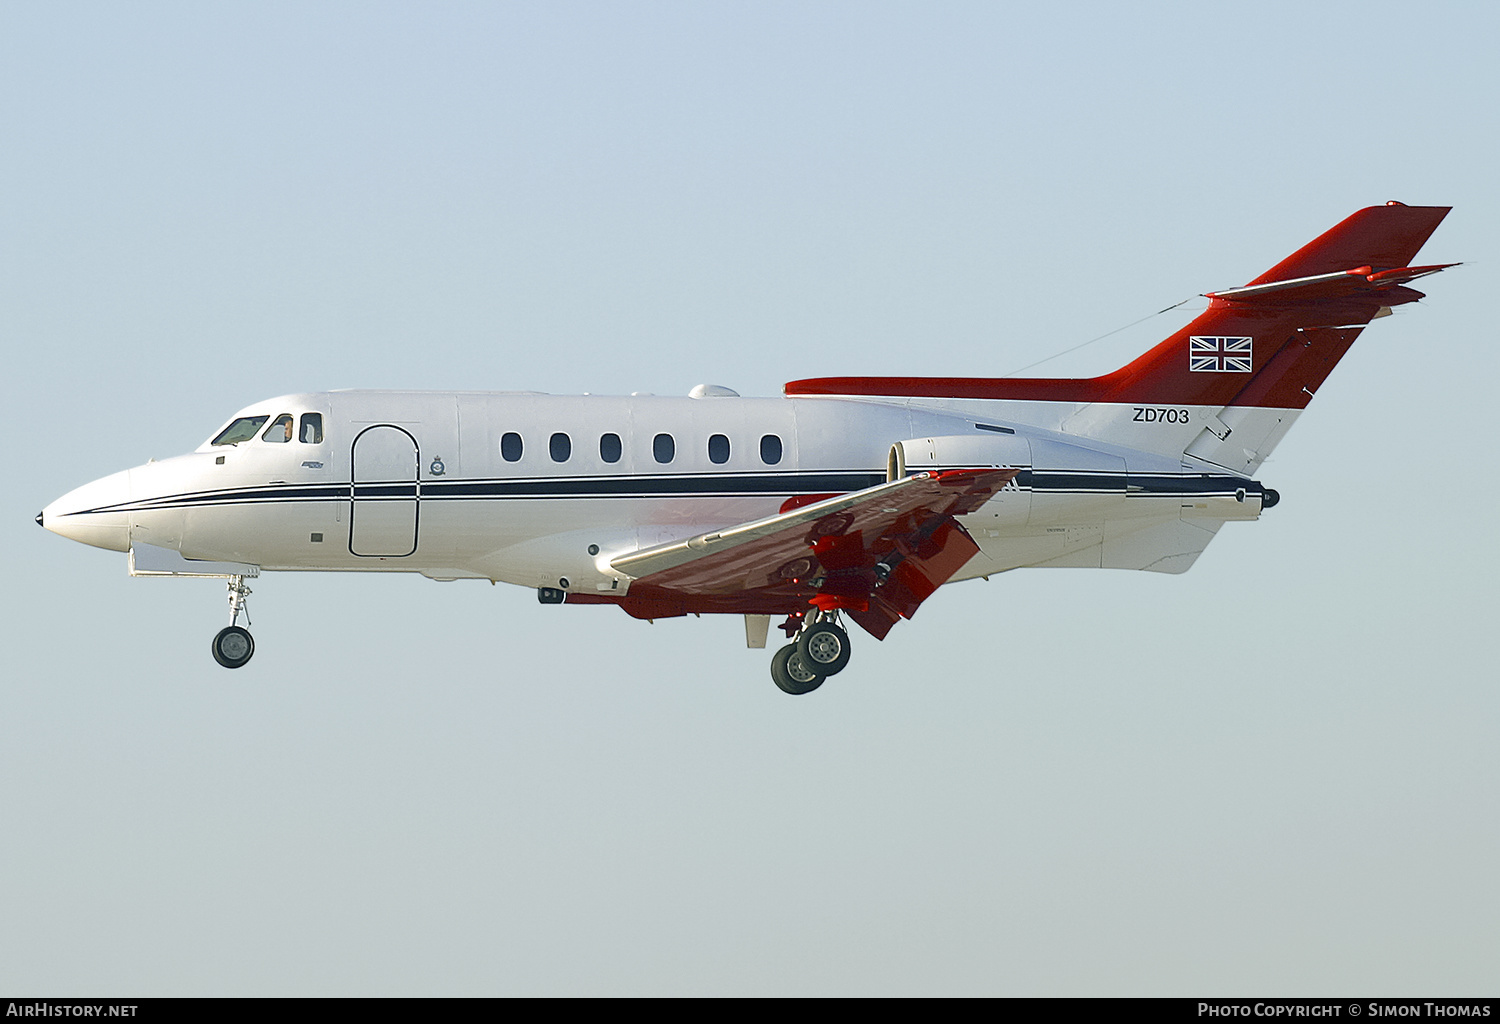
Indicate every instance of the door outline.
{"type": "Point", "coordinates": [371, 500]}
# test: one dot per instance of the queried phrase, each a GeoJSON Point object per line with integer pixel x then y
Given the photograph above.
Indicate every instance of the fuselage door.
{"type": "Point", "coordinates": [383, 511]}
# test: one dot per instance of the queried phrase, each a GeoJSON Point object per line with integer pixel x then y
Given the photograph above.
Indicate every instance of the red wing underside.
{"type": "Point", "coordinates": [875, 554]}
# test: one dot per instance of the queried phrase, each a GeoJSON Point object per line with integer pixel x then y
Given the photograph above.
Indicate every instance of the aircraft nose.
{"type": "Point", "coordinates": [93, 514]}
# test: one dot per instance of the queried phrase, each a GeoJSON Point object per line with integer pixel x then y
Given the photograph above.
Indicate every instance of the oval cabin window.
{"type": "Point", "coordinates": [664, 448]}
{"type": "Point", "coordinates": [718, 449]}
{"type": "Point", "coordinates": [560, 447]}
{"type": "Point", "coordinates": [610, 447]}
{"type": "Point", "coordinates": [770, 449]}
{"type": "Point", "coordinates": [510, 447]}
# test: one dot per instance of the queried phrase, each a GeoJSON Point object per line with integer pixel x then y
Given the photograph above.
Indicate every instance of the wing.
{"type": "Point", "coordinates": [876, 554]}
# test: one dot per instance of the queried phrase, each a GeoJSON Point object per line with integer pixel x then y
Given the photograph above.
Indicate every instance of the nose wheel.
{"type": "Point", "coordinates": [233, 645]}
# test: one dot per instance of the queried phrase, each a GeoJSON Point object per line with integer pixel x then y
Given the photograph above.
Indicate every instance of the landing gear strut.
{"type": "Point", "coordinates": [820, 650]}
{"type": "Point", "coordinates": [233, 645]}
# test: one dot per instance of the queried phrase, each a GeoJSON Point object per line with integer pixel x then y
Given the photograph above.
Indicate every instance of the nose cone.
{"type": "Point", "coordinates": [93, 514]}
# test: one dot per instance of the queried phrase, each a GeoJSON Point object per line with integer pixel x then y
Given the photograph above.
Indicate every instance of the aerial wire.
{"type": "Point", "coordinates": [1117, 330]}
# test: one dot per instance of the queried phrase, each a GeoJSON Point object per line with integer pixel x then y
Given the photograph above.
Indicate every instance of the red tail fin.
{"type": "Point", "coordinates": [1270, 343]}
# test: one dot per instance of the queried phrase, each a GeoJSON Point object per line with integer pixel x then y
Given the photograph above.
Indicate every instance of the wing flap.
{"type": "Point", "coordinates": [876, 508]}
{"type": "Point", "coordinates": [876, 553]}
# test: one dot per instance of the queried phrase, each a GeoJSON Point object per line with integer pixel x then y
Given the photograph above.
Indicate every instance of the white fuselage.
{"type": "Point", "coordinates": [536, 489]}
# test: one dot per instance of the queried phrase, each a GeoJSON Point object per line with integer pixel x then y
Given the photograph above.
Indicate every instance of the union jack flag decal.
{"type": "Point", "coordinates": [1220, 355]}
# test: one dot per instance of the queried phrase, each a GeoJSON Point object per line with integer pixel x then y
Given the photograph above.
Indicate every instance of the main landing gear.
{"type": "Point", "coordinates": [233, 645]}
{"type": "Point", "coordinates": [820, 650]}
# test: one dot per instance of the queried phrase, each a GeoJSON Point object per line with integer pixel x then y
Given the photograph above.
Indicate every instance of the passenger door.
{"type": "Point", "coordinates": [383, 512]}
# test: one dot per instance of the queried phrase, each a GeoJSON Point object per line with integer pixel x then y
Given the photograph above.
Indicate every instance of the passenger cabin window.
{"type": "Point", "coordinates": [510, 447]}
{"type": "Point", "coordinates": [664, 448]}
{"type": "Point", "coordinates": [280, 430]}
{"type": "Point", "coordinates": [312, 428]}
{"type": "Point", "coordinates": [610, 447]}
{"type": "Point", "coordinates": [718, 449]}
{"type": "Point", "coordinates": [770, 449]}
{"type": "Point", "coordinates": [561, 447]}
{"type": "Point", "coordinates": [242, 429]}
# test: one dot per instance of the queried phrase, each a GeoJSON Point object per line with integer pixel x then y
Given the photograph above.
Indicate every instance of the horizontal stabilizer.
{"type": "Point", "coordinates": [1359, 281]}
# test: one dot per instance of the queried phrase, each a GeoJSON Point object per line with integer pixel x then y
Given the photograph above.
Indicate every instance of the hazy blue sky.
{"type": "Point", "coordinates": [1276, 774]}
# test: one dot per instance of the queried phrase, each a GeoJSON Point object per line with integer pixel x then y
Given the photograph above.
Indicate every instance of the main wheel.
{"type": "Point", "coordinates": [233, 646]}
{"type": "Point", "coordinates": [825, 648]}
{"type": "Point", "coordinates": [792, 674]}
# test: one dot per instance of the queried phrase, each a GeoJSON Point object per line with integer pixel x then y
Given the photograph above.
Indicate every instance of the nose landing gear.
{"type": "Point", "coordinates": [233, 645]}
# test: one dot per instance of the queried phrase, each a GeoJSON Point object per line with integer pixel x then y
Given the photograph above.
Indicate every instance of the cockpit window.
{"type": "Point", "coordinates": [280, 430]}
{"type": "Point", "coordinates": [312, 428]}
{"type": "Point", "coordinates": [242, 429]}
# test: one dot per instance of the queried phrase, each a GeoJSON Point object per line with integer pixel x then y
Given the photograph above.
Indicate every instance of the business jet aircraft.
{"type": "Point", "coordinates": [850, 496]}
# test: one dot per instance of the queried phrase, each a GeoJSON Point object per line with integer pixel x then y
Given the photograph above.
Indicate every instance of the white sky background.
{"type": "Point", "coordinates": [1276, 774]}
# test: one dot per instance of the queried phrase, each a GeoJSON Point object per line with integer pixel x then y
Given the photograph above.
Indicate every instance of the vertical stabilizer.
{"type": "Point", "coordinates": [1267, 346]}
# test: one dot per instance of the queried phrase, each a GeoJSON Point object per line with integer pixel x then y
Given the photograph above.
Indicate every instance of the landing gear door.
{"type": "Point", "coordinates": [383, 510]}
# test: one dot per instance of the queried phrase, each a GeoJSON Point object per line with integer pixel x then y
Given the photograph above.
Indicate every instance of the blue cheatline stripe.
{"type": "Point", "coordinates": [643, 486]}
{"type": "Point", "coordinates": [700, 485]}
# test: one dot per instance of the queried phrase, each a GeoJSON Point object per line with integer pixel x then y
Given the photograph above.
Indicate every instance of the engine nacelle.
{"type": "Point", "coordinates": [1010, 506]}
{"type": "Point", "coordinates": [959, 451]}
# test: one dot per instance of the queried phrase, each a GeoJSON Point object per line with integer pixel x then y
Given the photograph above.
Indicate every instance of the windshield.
{"type": "Point", "coordinates": [242, 429]}
{"type": "Point", "coordinates": [280, 430]}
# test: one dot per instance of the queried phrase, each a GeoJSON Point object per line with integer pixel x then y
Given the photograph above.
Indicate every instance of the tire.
{"type": "Point", "coordinates": [233, 646]}
{"type": "Point", "coordinates": [824, 647]}
{"type": "Point", "coordinates": [791, 674]}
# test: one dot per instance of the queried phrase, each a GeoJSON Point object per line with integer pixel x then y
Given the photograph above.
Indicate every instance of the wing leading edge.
{"type": "Point", "coordinates": [875, 554]}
